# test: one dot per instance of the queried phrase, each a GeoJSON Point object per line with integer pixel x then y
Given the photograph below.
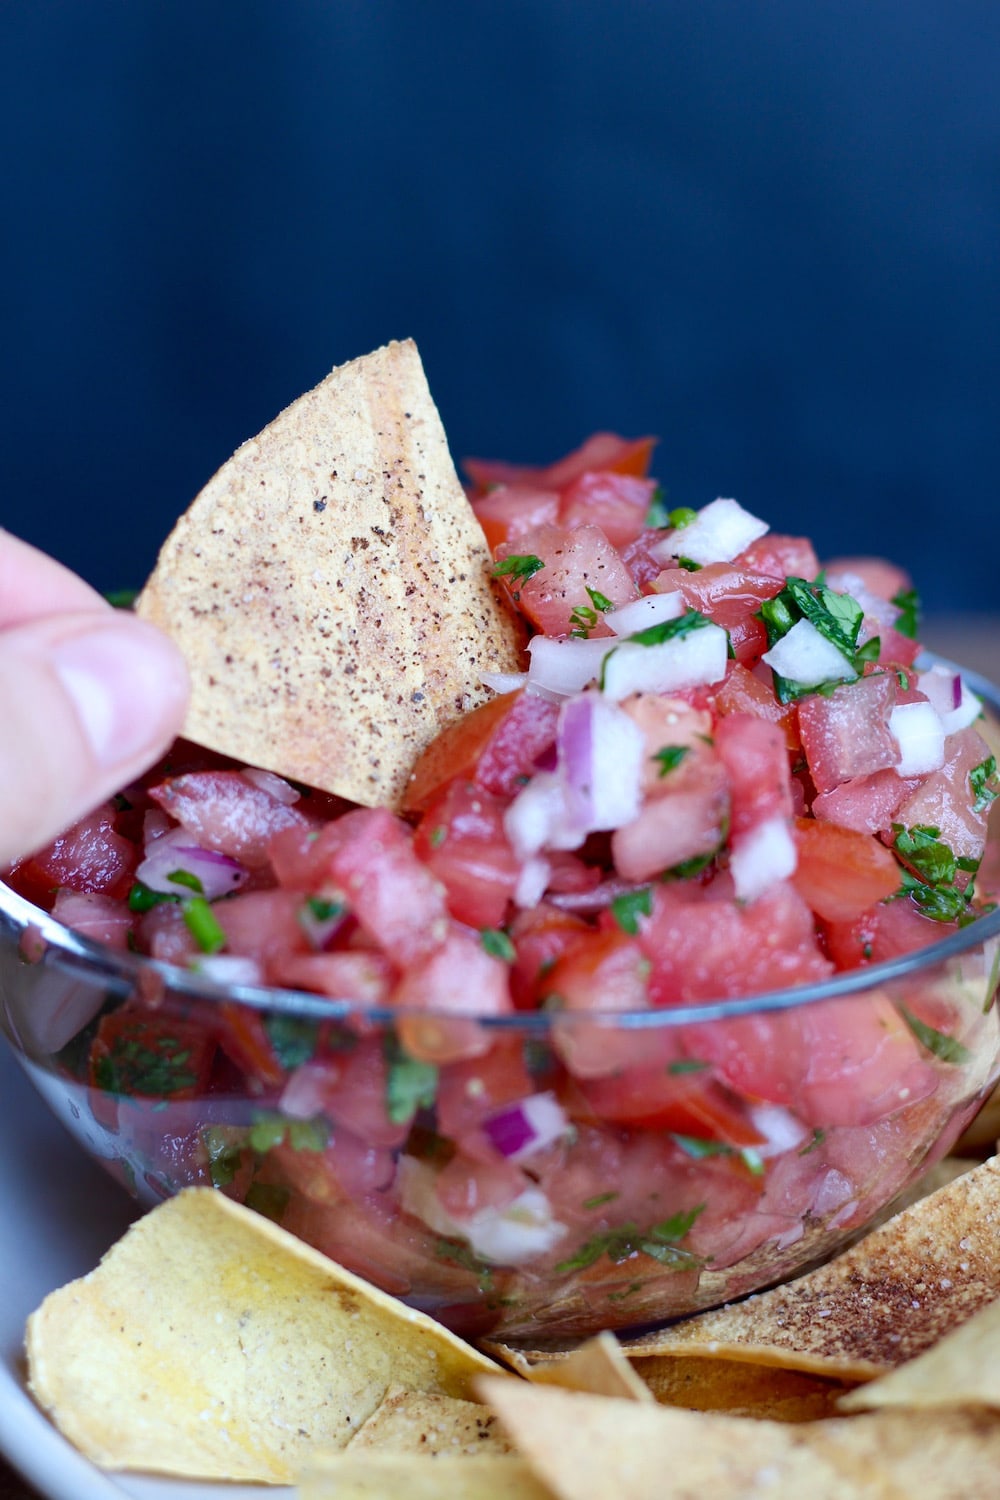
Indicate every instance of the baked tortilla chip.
{"type": "Point", "coordinates": [589, 1448]}
{"type": "Point", "coordinates": [389, 1476]}
{"type": "Point", "coordinates": [741, 1389]}
{"type": "Point", "coordinates": [210, 1343]}
{"type": "Point", "coordinates": [962, 1370]}
{"type": "Point", "coordinates": [883, 1301]}
{"type": "Point", "coordinates": [598, 1367]}
{"type": "Point", "coordinates": [429, 1423]}
{"type": "Point", "coordinates": [330, 588]}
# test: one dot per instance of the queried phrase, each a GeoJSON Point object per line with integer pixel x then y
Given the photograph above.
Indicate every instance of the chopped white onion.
{"type": "Point", "coordinates": [520, 1231]}
{"type": "Point", "coordinates": [228, 968]}
{"type": "Point", "coordinates": [718, 533]}
{"type": "Point", "coordinates": [684, 662]}
{"type": "Point", "coordinates": [532, 882]}
{"type": "Point", "coordinates": [503, 682]}
{"type": "Point", "coordinates": [275, 786]}
{"type": "Point", "coordinates": [782, 1131]}
{"type": "Point", "coordinates": [538, 818]}
{"type": "Point", "coordinates": [562, 667]}
{"type": "Point", "coordinates": [919, 733]}
{"type": "Point", "coordinates": [954, 700]}
{"type": "Point", "coordinates": [805, 656]}
{"type": "Point", "coordinates": [641, 613]}
{"type": "Point", "coordinates": [216, 874]}
{"type": "Point", "coordinates": [526, 1127]}
{"type": "Point", "coordinates": [307, 1092]}
{"type": "Point", "coordinates": [762, 857]}
{"type": "Point", "coordinates": [601, 753]}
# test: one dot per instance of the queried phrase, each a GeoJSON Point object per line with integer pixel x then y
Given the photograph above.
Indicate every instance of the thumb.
{"type": "Point", "coordinates": [87, 702]}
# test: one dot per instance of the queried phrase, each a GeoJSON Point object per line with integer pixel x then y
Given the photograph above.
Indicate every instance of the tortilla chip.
{"type": "Point", "coordinates": [330, 588]}
{"type": "Point", "coordinates": [883, 1301]}
{"type": "Point", "coordinates": [380, 1476]}
{"type": "Point", "coordinates": [428, 1423]}
{"type": "Point", "coordinates": [211, 1343]}
{"type": "Point", "coordinates": [741, 1389]}
{"type": "Point", "coordinates": [589, 1448]}
{"type": "Point", "coordinates": [962, 1370]}
{"type": "Point", "coordinates": [598, 1366]}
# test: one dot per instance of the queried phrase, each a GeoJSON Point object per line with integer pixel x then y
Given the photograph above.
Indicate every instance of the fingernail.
{"type": "Point", "coordinates": [127, 684]}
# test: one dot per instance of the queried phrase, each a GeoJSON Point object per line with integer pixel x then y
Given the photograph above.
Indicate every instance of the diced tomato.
{"type": "Point", "coordinates": [100, 918]}
{"type": "Point", "coordinates": [755, 758]}
{"type": "Point", "coordinates": [510, 510]}
{"type": "Point", "coordinates": [685, 1103]}
{"type": "Point", "coordinates": [396, 899]}
{"type": "Point", "coordinates": [572, 563]}
{"type": "Point", "coordinates": [243, 1037]}
{"type": "Point", "coordinates": [90, 856]}
{"type": "Point", "coordinates": [743, 693]}
{"type": "Point", "coordinates": [464, 1186]}
{"type": "Point", "coordinates": [723, 591]}
{"type": "Point", "coordinates": [865, 1062]}
{"type": "Point", "coordinates": [360, 975]}
{"type": "Point", "coordinates": [462, 842]}
{"type": "Point", "coordinates": [496, 745]}
{"type": "Point", "coordinates": [944, 800]}
{"type": "Point", "coordinates": [258, 924]}
{"type": "Point", "coordinates": [540, 935]}
{"type": "Point", "coordinates": [882, 933]}
{"type": "Point", "coordinates": [351, 1087]}
{"type": "Point", "coordinates": [457, 980]}
{"type": "Point", "coordinates": [883, 578]}
{"type": "Point", "coordinates": [472, 1090]}
{"type": "Point", "coordinates": [617, 503]}
{"type": "Point", "coordinates": [841, 872]}
{"type": "Point", "coordinates": [151, 1055]}
{"type": "Point", "coordinates": [780, 556]}
{"type": "Point", "coordinates": [603, 452]}
{"type": "Point", "coordinates": [866, 803]}
{"type": "Point", "coordinates": [224, 811]}
{"type": "Point", "coordinates": [603, 971]}
{"type": "Point", "coordinates": [846, 733]}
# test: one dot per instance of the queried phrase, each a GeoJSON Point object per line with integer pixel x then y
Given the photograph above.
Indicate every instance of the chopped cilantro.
{"type": "Point", "coordinates": [325, 908]}
{"type": "Point", "coordinates": [223, 1147]}
{"type": "Point", "coordinates": [923, 850]}
{"type": "Point", "coordinates": [583, 620]}
{"type": "Point", "coordinates": [658, 514]}
{"type": "Point", "coordinates": [980, 779]}
{"type": "Point", "coordinates": [139, 1062]}
{"type": "Point", "coordinates": [142, 898]}
{"type": "Point", "coordinates": [699, 1148]}
{"type": "Point", "coordinates": [498, 944]}
{"type": "Point", "coordinates": [628, 908]}
{"type": "Point", "coordinates": [203, 925]}
{"type": "Point", "coordinates": [670, 757]}
{"type": "Point", "coordinates": [681, 517]}
{"type": "Point", "coordinates": [293, 1039]}
{"type": "Point", "coordinates": [669, 630]}
{"type": "Point", "coordinates": [521, 566]}
{"type": "Point", "coordinates": [837, 617]}
{"type": "Point", "coordinates": [188, 880]}
{"type": "Point", "coordinates": [659, 1241]}
{"type": "Point", "coordinates": [689, 565]}
{"type": "Point", "coordinates": [818, 1137]}
{"type": "Point", "coordinates": [689, 868]}
{"type": "Point", "coordinates": [630, 1290]}
{"type": "Point", "coordinates": [948, 1048]}
{"type": "Point", "coordinates": [270, 1129]}
{"type": "Point", "coordinates": [907, 601]}
{"type": "Point", "coordinates": [600, 1200]}
{"type": "Point", "coordinates": [437, 836]}
{"type": "Point", "coordinates": [461, 1254]}
{"type": "Point", "coordinates": [121, 598]}
{"type": "Point", "coordinates": [267, 1200]}
{"type": "Point", "coordinates": [600, 601]}
{"type": "Point", "coordinates": [687, 1065]}
{"type": "Point", "coordinates": [410, 1084]}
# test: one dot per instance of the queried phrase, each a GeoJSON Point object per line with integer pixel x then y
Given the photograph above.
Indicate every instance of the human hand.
{"type": "Point", "coordinates": [89, 697]}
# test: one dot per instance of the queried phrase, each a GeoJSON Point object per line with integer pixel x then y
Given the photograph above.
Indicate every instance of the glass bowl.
{"type": "Point", "coordinates": [567, 1172]}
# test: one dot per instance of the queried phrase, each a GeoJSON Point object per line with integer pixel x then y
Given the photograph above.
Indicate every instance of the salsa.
{"type": "Point", "coordinates": [724, 772]}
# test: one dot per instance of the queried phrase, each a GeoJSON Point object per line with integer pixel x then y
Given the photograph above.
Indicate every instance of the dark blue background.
{"type": "Point", "coordinates": [767, 232]}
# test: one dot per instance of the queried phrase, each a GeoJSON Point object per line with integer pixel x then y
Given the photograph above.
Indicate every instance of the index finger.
{"type": "Point", "coordinates": [33, 585]}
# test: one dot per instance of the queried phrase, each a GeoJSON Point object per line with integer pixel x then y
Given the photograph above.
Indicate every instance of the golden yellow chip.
{"type": "Point", "coordinates": [380, 1476]}
{"type": "Point", "coordinates": [330, 588]}
{"type": "Point", "coordinates": [962, 1370]}
{"type": "Point", "coordinates": [429, 1423]}
{"type": "Point", "coordinates": [883, 1301]}
{"type": "Point", "coordinates": [597, 1366]}
{"type": "Point", "coordinates": [211, 1343]}
{"type": "Point", "coordinates": [741, 1389]}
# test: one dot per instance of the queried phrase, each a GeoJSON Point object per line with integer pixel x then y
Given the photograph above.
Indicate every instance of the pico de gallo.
{"type": "Point", "coordinates": [723, 772]}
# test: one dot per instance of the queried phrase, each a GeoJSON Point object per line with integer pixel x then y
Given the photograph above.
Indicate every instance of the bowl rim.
{"type": "Point", "coordinates": [69, 951]}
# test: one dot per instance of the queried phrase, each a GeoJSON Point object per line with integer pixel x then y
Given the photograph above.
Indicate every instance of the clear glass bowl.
{"type": "Point", "coordinates": [724, 1147]}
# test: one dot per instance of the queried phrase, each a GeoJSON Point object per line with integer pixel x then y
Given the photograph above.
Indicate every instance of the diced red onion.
{"type": "Point", "coordinates": [217, 873]}
{"type": "Point", "coordinates": [228, 968]}
{"type": "Point", "coordinates": [503, 682]}
{"type": "Point", "coordinates": [687, 661]}
{"type": "Point", "coordinates": [919, 733]}
{"type": "Point", "coordinates": [562, 667]}
{"type": "Point", "coordinates": [762, 857]}
{"type": "Point", "coordinates": [651, 609]}
{"type": "Point", "coordinates": [522, 1129]}
{"type": "Point", "coordinates": [275, 786]}
{"type": "Point", "coordinates": [718, 533]}
{"type": "Point", "coordinates": [805, 656]}
{"type": "Point", "coordinates": [519, 1232]}
{"type": "Point", "coordinates": [601, 752]}
{"type": "Point", "coordinates": [954, 700]}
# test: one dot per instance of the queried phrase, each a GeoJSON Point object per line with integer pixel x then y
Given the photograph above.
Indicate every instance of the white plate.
{"type": "Point", "coordinates": [58, 1215]}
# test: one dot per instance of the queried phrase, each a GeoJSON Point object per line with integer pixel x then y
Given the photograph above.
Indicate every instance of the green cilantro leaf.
{"type": "Point", "coordinates": [660, 1242]}
{"type": "Point", "coordinates": [658, 514]}
{"type": "Point", "coordinates": [670, 757]}
{"type": "Point", "coordinates": [982, 779]}
{"type": "Point", "coordinates": [629, 907]}
{"type": "Point", "coordinates": [521, 566]}
{"type": "Point", "coordinates": [293, 1039]}
{"type": "Point", "coordinates": [142, 898]}
{"type": "Point", "coordinates": [498, 944]}
{"type": "Point", "coordinates": [410, 1084]}
{"type": "Point", "coordinates": [948, 1048]}
{"type": "Point", "coordinates": [681, 517]}
{"type": "Point", "coordinates": [600, 601]}
{"type": "Point", "coordinates": [907, 601]}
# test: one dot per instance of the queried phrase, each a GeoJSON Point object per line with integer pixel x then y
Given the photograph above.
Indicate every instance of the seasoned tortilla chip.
{"type": "Point", "coordinates": [741, 1389]}
{"type": "Point", "coordinates": [881, 1302]}
{"type": "Point", "coordinates": [962, 1370]}
{"type": "Point", "coordinates": [429, 1423]}
{"type": "Point", "coordinates": [389, 1476]}
{"type": "Point", "coordinates": [597, 1366]}
{"type": "Point", "coordinates": [589, 1448]}
{"type": "Point", "coordinates": [211, 1343]}
{"type": "Point", "coordinates": [330, 588]}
